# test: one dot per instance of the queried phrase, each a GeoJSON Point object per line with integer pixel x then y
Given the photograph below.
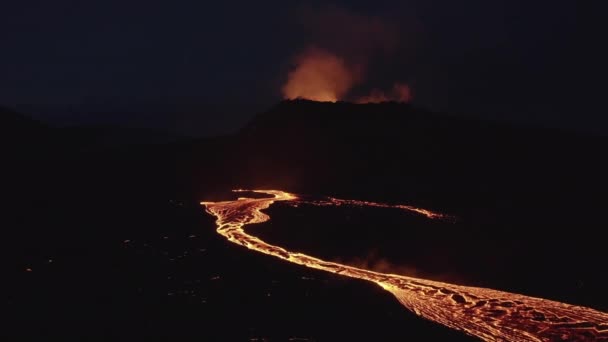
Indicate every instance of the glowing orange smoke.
{"type": "Point", "coordinates": [319, 76]}
{"type": "Point", "coordinates": [400, 92]}
{"type": "Point", "coordinates": [322, 76]}
{"type": "Point", "coordinates": [343, 45]}
{"type": "Point", "coordinates": [488, 314]}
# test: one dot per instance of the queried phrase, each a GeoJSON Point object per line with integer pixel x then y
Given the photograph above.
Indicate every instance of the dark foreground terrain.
{"type": "Point", "coordinates": [110, 242]}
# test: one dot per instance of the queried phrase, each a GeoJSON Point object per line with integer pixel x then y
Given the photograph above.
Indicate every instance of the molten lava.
{"type": "Point", "coordinates": [485, 313]}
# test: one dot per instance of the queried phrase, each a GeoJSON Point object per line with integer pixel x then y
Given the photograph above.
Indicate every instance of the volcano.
{"type": "Point", "coordinates": [403, 149]}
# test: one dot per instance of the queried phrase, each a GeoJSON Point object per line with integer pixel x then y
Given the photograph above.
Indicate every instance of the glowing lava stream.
{"type": "Point", "coordinates": [485, 313]}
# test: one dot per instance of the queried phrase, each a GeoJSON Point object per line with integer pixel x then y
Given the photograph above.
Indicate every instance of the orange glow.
{"type": "Point", "coordinates": [485, 313]}
{"type": "Point", "coordinates": [400, 92]}
{"type": "Point", "coordinates": [319, 76]}
{"type": "Point", "coordinates": [338, 202]}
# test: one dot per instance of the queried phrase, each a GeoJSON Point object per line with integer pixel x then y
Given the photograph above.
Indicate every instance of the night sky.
{"type": "Point", "coordinates": [207, 67]}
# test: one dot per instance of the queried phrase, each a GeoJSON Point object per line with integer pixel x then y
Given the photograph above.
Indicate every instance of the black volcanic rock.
{"type": "Point", "coordinates": [13, 120]}
{"type": "Point", "coordinates": [18, 130]}
{"type": "Point", "coordinates": [304, 117]}
{"type": "Point", "coordinates": [27, 152]}
{"type": "Point", "coordinates": [398, 148]}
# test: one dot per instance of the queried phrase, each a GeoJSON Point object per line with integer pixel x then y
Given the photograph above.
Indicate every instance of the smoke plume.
{"type": "Point", "coordinates": [400, 92]}
{"type": "Point", "coordinates": [319, 75]}
{"type": "Point", "coordinates": [341, 48]}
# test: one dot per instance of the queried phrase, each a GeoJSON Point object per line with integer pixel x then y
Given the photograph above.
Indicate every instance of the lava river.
{"type": "Point", "coordinates": [485, 313]}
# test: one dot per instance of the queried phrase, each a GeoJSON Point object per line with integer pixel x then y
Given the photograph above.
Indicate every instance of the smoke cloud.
{"type": "Point", "coordinates": [400, 92]}
{"type": "Point", "coordinates": [321, 76]}
{"type": "Point", "coordinates": [340, 50]}
{"type": "Point", "coordinates": [375, 262]}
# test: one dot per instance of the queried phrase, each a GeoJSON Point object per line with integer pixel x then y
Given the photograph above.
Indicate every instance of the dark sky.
{"type": "Point", "coordinates": [209, 66]}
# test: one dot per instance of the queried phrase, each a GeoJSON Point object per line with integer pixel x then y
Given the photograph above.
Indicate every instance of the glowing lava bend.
{"type": "Point", "coordinates": [485, 313]}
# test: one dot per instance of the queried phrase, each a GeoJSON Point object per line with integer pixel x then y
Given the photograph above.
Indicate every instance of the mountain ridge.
{"type": "Point", "coordinates": [302, 109]}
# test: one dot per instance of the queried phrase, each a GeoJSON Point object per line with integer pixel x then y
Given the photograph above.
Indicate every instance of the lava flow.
{"type": "Point", "coordinates": [485, 313]}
